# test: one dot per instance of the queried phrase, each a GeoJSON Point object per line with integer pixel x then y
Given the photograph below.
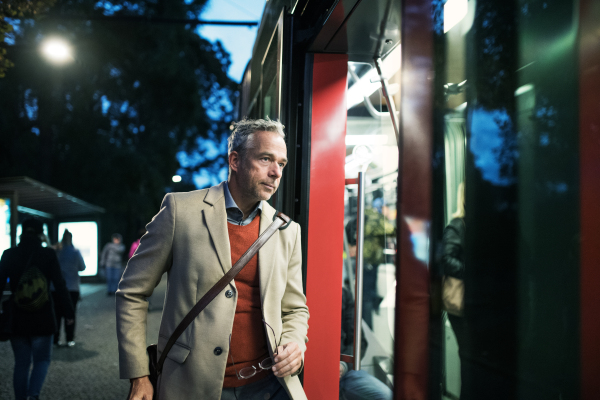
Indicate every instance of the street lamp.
{"type": "Point", "coordinates": [57, 50]}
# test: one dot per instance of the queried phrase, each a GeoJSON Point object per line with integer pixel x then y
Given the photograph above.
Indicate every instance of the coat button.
{"type": "Point", "coordinates": [229, 294]}
{"type": "Point", "coordinates": [218, 351]}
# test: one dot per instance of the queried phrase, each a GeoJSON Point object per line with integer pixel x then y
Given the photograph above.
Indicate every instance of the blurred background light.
{"type": "Point", "coordinates": [85, 239]}
{"type": "Point", "coordinates": [176, 178]}
{"type": "Point", "coordinates": [57, 50]}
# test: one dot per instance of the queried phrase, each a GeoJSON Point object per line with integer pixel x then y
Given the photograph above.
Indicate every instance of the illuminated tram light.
{"type": "Point", "coordinates": [370, 82]}
{"type": "Point", "coordinates": [454, 12]}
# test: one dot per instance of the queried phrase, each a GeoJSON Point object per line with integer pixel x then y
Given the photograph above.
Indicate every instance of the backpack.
{"type": "Point", "coordinates": [32, 294]}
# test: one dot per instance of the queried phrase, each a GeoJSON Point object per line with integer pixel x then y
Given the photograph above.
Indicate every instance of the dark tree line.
{"type": "Point", "coordinates": [109, 126]}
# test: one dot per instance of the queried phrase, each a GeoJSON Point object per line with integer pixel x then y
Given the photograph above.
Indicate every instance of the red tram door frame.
{"type": "Point", "coordinates": [589, 144]}
{"type": "Point", "coordinates": [324, 257]}
{"type": "Point", "coordinates": [411, 347]}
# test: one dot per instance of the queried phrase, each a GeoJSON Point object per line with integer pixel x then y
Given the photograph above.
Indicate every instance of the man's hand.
{"type": "Point", "coordinates": [141, 389]}
{"type": "Point", "coordinates": [288, 360]}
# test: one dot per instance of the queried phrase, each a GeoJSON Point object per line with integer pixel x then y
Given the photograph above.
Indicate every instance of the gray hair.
{"type": "Point", "coordinates": [238, 140]}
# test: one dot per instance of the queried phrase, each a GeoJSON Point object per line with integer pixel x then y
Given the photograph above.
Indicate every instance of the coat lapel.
{"type": "Point", "coordinates": [216, 222]}
{"type": "Point", "coordinates": [266, 254]}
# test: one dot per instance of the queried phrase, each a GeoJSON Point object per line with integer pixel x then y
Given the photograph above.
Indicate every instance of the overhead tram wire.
{"type": "Point", "coordinates": [239, 7]}
{"type": "Point", "coordinates": [159, 20]}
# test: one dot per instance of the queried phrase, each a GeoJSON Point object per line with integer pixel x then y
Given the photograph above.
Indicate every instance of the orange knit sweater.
{"type": "Point", "coordinates": [248, 343]}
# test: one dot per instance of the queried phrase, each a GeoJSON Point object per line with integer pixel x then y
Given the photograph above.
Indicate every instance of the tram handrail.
{"type": "Point", "coordinates": [358, 299]}
{"type": "Point", "coordinates": [390, 101]}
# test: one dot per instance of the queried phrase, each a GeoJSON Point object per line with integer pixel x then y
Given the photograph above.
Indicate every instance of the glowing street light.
{"type": "Point", "coordinates": [57, 51]}
{"type": "Point", "coordinates": [176, 178]}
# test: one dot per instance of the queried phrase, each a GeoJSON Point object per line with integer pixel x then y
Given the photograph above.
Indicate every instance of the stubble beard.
{"type": "Point", "coordinates": [263, 194]}
{"type": "Point", "coordinates": [252, 188]}
{"type": "Point", "coordinates": [255, 190]}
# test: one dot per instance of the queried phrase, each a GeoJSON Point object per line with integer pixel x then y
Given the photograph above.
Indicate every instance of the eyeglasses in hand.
{"type": "Point", "coordinates": [266, 364]}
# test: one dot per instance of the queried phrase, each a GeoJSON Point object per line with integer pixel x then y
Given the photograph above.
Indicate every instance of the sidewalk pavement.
{"type": "Point", "coordinates": [90, 369]}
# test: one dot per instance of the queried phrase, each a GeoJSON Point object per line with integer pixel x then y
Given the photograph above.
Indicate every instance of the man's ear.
{"type": "Point", "coordinates": [234, 160]}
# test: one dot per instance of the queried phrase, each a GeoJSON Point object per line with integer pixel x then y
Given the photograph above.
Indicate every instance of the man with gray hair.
{"type": "Point", "coordinates": [249, 342]}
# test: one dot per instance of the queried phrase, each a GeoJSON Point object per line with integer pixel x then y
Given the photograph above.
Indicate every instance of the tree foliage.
{"type": "Point", "coordinates": [109, 126]}
{"type": "Point", "coordinates": [16, 9]}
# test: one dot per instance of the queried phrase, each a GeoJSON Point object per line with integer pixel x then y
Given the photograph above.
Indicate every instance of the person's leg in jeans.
{"type": "Point", "coordinates": [21, 346]}
{"type": "Point", "coordinates": [112, 279]}
{"type": "Point", "coordinates": [41, 349]}
{"type": "Point", "coordinates": [268, 388]}
{"type": "Point", "coordinates": [70, 329]}
{"type": "Point", "coordinates": [359, 385]}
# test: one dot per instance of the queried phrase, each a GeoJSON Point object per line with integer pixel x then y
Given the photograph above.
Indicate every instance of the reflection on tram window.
{"type": "Point", "coordinates": [452, 324]}
{"type": "Point", "coordinates": [510, 130]}
{"type": "Point", "coordinates": [453, 266]}
{"type": "Point", "coordinates": [419, 236]}
{"type": "Point", "coordinates": [494, 146]}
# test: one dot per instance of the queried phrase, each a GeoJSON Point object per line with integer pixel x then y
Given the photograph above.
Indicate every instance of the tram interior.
{"type": "Point", "coordinates": [373, 100]}
{"type": "Point", "coordinates": [371, 147]}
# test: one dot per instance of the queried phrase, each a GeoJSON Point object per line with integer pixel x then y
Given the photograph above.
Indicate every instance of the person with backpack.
{"type": "Point", "coordinates": [30, 268]}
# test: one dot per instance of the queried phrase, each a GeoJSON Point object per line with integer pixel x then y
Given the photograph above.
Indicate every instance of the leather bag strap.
{"type": "Point", "coordinates": [280, 220]}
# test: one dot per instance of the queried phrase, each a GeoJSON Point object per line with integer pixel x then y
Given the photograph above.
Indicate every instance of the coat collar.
{"type": "Point", "coordinates": [216, 222]}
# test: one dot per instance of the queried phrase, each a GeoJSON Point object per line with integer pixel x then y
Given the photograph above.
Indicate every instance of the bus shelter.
{"type": "Point", "coordinates": [22, 198]}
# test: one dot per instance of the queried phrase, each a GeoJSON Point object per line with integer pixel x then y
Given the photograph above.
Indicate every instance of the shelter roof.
{"type": "Point", "coordinates": [37, 196]}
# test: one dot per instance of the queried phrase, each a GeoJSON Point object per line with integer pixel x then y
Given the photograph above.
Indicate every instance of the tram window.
{"type": "Point", "coordinates": [271, 75]}
{"type": "Point", "coordinates": [506, 217]}
{"type": "Point", "coordinates": [270, 84]}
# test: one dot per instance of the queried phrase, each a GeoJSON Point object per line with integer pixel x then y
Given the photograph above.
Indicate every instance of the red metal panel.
{"type": "Point", "coordinates": [589, 134]}
{"type": "Point", "coordinates": [414, 196]}
{"type": "Point", "coordinates": [325, 226]}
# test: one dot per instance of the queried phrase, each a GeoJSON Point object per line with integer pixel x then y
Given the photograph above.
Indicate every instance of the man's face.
{"type": "Point", "coordinates": [259, 169]}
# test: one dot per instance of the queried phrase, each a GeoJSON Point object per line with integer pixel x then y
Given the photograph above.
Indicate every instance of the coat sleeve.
{"type": "Point", "coordinates": [103, 256]}
{"type": "Point", "coordinates": [142, 274]}
{"type": "Point", "coordinates": [294, 312]}
{"type": "Point", "coordinates": [60, 286]}
{"type": "Point", "coordinates": [80, 262]}
{"type": "Point", "coordinates": [453, 247]}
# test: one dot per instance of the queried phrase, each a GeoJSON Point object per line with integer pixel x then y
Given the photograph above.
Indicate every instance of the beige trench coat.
{"type": "Point", "coordinates": [188, 239]}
